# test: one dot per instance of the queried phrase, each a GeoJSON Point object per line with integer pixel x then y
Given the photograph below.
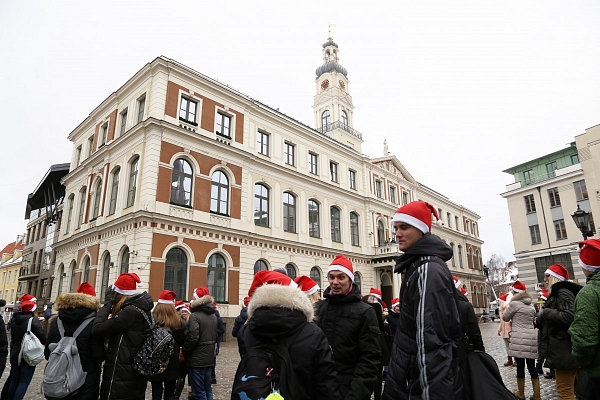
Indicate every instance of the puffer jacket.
{"type": "Point", "coordinates": [523, 337]}
{"type": "Point", "coordinates": [554, 321]}
{"type": "Point", "coordinates": [201, 340]}
{"type": "Point", "coordinates": [353, 333]}
{"type": "Point", "coordinates": [240, 320]}
{"type": "Point", "coordinates": [3, 346]}
{"type": "Point", "coordinates": [469, 325]}
{"type": "Point", "coordinates": [19, 324]}
{"type": "Point", "coordinates": [126, 332]}
{"type": "Point", "coordinates": [392, 320]}
{"type": "Point", "coordinates": [585, 329]}
{"type": "Point", "coordinates": [282, 313]}
{"type": "Point", "coordinates": [421, 365]}
{"type": "Point", "coordinates": [74, 309]}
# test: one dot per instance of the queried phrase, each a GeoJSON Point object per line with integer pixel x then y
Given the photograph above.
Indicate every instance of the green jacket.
{"type": "Point", "coordinates": [585, 329]}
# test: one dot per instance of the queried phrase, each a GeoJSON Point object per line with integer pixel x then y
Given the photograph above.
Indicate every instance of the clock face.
{"type": "Point", "coordinates": [342, 85]}
{"type": "Point", "coordinates": [325, 84]}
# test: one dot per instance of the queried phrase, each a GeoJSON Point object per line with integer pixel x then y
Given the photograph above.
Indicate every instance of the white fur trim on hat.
{"type": "Point", "coordinates": [376, 295]}
{"type": "Point", "coordinates": [125, 292]}
{"type": "Point", "coordinates": [514, 289]}
{"type": "Point", "coordinates": [341, 268]}
{"type": "Point", "coordinates": [161, 301]}
{"type": "Point", "coordinates": [590, 268]}
{"type": "Point", "coordinates": [412, 221]}
{"type": "Point", "coordinates": [312, 290]}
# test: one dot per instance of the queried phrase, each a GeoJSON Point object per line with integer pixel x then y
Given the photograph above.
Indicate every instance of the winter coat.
{"type": "Point", "coordinates": [240, 320]}
{"type": "Point", "coordinates": [20, 321]}
{"type": "Point", "coordinates": [585, 329]}
{"type": "Point", "coordinates": [285, 314]}
{"type": "Point", "coordinates": [523, 337]}
{"type": "Point", "coordinates": [378, 307]}
{"type": "Point", "coordinates": [172, 372]}
{"type": "Point", "coordinates": [469, 325]}
{"type": "Point", "coordinates": [126, 332]}
{"type": "Point", "coordinates": [392, 320]}
{"type": "Point", "coordinates": [200, 342]}
{"type": "Point", "coordinates": [3, 346]}
{"type": "Point", "coordinates": [353, 334]}
{"type": "Point", "coordinates": [429, 326]}
{"type": "Point", "coordinates": [220, 329]}
{"type": "Point", "coordinates": [554, 321]}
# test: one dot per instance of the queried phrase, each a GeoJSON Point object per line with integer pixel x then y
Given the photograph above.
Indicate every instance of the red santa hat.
{"type": "Point", "coordinates": [503, 297]}
{"type": "Point", "coordinates": [417, 214]}
{"type": "Point", "coordinates": [265, 277]}
{"type": "Point", "coordinates": [167, 297]}
{"type": "Point", "coordinates": [127, 283]}
{"type": "Point", "coordinates": [27, 297]}
{"type": "Point", "coordinates": [246, 301]}
{"type": "Point", "coordinates": [464, 291]}
{"type": "Point", "coordinates": [86, 288]}
{"type": "Point", "coordinates": [383, 304]}
{"type": "Point", "coordinates": [375, 292]}
{"type": "Point", "coordinates": [558, 271]}
{"type": "Point", "coordinates": [186, 309]}
{"type": "Point", "coordinates": [27, 306]}
{"type": "Point", "coordinates": [457, 282]}
{"type": "Point", "coordinates": [395, 302]}
{"type": "Point", "coordinates": [543, 294]}
{"type": "Point", "coordinates": [307, 285]}
{"type": "Point", "coordinates": [589, 254]}
{"type": "Point", "coordinates": [518, 287]}
{"type": "Point", "coordinates": [342, 264]}
{"type": "Point", "coordinates": [201, 291]}
{"type": "Point", "coordinates": [179, 304]}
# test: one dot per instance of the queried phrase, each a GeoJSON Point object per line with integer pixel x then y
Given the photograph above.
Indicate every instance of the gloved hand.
{"type": "Point", "coordinates": [109, 296]}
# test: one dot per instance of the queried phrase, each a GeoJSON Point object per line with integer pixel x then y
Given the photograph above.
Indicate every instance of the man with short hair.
{"type": "Point", "coordinates": [421, 365]}
{"type": "Point", "coordinates": [352, 331]}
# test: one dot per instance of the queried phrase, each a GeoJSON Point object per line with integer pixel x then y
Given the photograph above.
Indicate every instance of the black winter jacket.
{"type": "Point", "coordinates": [240, 320]}
{"type": "Point", "coordinates": [554, 321]}
{"type": "Point", "coordinates": [469, 326]}
{"type": "Point", "coordinates": [20, 320]}
{"type": "Point", "coordinates": [392, 320]}
{"type": "Point", "coordinates": [282, 313]}
{"type": "Point", "coordinates": [353, 333]}
{"type": "Point", "coordinates": [3, 346]}
{"type": "Point", "coordinates": [172, 372]}
{"type": "Point", "coordinates": [126, 332]}
{"type": "Point", "coordinates": [200, 342]}
{"type": "Point", "coordinates": [421, 365]}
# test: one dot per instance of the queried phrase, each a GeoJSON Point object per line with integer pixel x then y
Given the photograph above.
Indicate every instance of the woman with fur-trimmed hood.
{"type": "Point", "coordinates": [280, 311]}
{"type": "Point", "coordinates": [74, 309]}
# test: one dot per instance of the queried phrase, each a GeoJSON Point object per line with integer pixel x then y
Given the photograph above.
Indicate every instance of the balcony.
{"type": "Point", "coordinates": [28, 272]}
{"type": "Point", "coordinates": [342, 126]}
{"type": "Point", "coordinates": [544, 177]}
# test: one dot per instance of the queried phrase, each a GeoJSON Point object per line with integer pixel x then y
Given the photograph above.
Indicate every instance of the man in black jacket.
{"type": "Point", "coordinates": [352, 331]}
{"type": "Point", "coordinates": [421, 365]}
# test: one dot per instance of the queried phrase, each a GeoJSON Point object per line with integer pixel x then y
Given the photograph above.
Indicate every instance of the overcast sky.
{"type": "Point", "coordinates": [461, 90]}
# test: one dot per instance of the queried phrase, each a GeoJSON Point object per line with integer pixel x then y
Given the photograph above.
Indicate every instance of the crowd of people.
{"type": "Point", "coordinates": [341, 345]}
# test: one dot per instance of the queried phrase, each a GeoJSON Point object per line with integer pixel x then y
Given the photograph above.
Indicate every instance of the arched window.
{"type": "Point", "coordinates": [219, 193]}
{"type": "Point", "coordinates": [72, 281]}
{"type": "Point", "coordinates": [354, 233]}
{"type": "Point", "coordinates": [470, 259]}
{"type": "Point", "coordinates": [86, 269]}
{"type": "Point", "coordinates": [476, 260]}
{"type": "Point", "coordinates": [61, 278]}
{"type": "Point", "coordinates": [176, 265]}
{"type": "Point", "coordinates": [358, 281]}
{"type": "Point", "coordinates": [344, 118]}
{"type": "Point", "coordinates": [289, 212]}
{"type": "Point", "coordinates": [315, 275]}
{"type": "Point", "coordinates": [475, 297]}
{"type": "Point", "coordinates": [216, 277]}
{"type": "Point", "coordinates": [460, 258]}
{"type": "Point", "coordinates": [124, 267]}
{"type": "Point", "coordinates": [132, 187]}
{"type": "Point", "coordinates": [260, 265]}
{"type": "Point", "coordinates": [380, 233]}
{"type": "Point", "coordinates": [114, 192]}
{"type": "Point", "coordinates": [291, 270]}
{"type": "Point", "coordinates": [325, 119]}
{"type": "Point", "coordinates": [70, 212]}
{"type": "Point", "coordinates": [181, 183]}
{"type": "Point", "coordinates": [105, 276]}
{"type": "Point", "coordinates": [453, 258]}
{"type": "Point", "coordinates": [336, 228]}
{"type": "Point", "coordinates": [82, 195]}
{"type": "Point", "coordinates": [313, 219]}
{"type": "Point", "coordinates": [97, 196]}
{"type": "Point", "coordinates": [261, 205]}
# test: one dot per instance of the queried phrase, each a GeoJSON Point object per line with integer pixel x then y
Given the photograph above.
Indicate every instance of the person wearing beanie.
{"type": "Point", "coordinates": [240, 320]}
{"type": "Point", "coordinates": [121, 322]}
{"type": "Point", "coordinates": [73, 310]}
{"type": "Point", "coordinates": [523, 339]}
{"type": "Point", "coordinates": [585, 328]}
{"type": "Point", "coordinates": [309, 287]}
{"type": "Point", "coordinates": [352, 331]}
{"type": "Point", "coordinates": [393, 316]}
{"type": "Point", "coordinates": [429, 324]}
{"type": "Point", "coordinates": [284, 314]}
{"type": "Point", "coordinates": [200, 343]}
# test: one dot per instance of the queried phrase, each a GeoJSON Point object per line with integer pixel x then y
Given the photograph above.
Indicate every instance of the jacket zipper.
{"type": "Point", "coordinates": [158, 345]}
{"type": "Point", "coordinates": [115, 367]}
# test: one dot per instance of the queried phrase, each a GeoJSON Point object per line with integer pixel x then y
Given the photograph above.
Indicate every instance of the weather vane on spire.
{"type": "Point", "coordinates": [331, 26]}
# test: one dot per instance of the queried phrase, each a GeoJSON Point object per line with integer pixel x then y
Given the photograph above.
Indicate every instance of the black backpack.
{"type": "Point", "coordinates": [266, 368]}
{"type": "Point", "coordinates": [156, 351]}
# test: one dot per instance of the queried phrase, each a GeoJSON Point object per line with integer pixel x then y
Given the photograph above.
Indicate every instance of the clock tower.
{"type": "Point", "coordinates": [334, 112]}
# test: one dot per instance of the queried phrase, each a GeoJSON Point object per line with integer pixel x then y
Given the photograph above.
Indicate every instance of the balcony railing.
{"type": "Point", "coordinates": [387, 248]}
{"type": "Point", "coordinates": [342, 126]}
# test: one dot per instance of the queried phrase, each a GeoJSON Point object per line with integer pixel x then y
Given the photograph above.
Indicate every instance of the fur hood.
{"type": "Point", "coordinates": [522, 297]}
{"type": "Point", "coordinates": [202, 301]}
{"type": "Point", "coordinates": [74, 300]}
{"type": "Point", "coordinates": [272, 295]}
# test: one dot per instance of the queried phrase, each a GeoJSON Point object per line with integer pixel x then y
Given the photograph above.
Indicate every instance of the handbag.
{"type": "Point", "coordinates": [32, 350]}
{"type": "Point", "coordinates": [481, 379]}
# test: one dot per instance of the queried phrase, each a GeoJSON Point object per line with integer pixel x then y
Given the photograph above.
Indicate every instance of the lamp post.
{"type": "Point", "coordinates": [582, 221]}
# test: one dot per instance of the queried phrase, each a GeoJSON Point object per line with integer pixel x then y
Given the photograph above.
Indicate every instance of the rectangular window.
{"type": "Point", "coordinates": [289, 150]}
{"type": "Point", "coordinates": [312, 163]}
{"type": "Point", "coordinates": [404, 198]}
{"type": "Point", "coordinates": [77, 156]}
{"type": "Point", "coordinates": [550, 168]}
{"type": "Point", "coordinates": [534, 231]}
{"type": "Point", "coordinates": [90, 145]}
{"type": "Point", "coordinates": [575, 159]}
{"type": "Point", "coordinates": [378, 189]}
{"type": "Point", "coordinates": [141, 106]}
{"type": "Point", "coordinates": [449, 220]}
{"type": "Point", "coordinates": [439, 213]}
{"type": "Point", "coordinates": [123, 122]}
{"type": "Point", "coordinates": [580, 190]}
{"type": "Point", "coordinates": [3, 276]}
{"type": "Point", "coordinates": [187, 110]}
{"type": "Point", "coordinates": [456, 222]}
{"type": "Point", "coordinates": [529, 203]}
{"type": "Point", "coordinates": [528, 177]}
{"type": "Point", "coordinates": [554, 197]}
{"type": "Point", "coordinates": [103, 135]}
{"type": "Point", "coordinates": [263, 143]}
{"type": "Point", "coordinates": [333, 169]}
{"type": "Point", "coordinates": [223, 125]}
{"type": "Point", "coordinates": [560, 228]}
{"type": "Point", "coordinates": [393, 194]}
{"type": "Point", "coordinates": [352, 178]}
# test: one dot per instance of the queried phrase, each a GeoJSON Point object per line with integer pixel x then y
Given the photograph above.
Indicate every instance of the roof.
{"type": "Point", "coordinates": [49, 190]}
{"type": "Point", "coordinates": [11, 247]}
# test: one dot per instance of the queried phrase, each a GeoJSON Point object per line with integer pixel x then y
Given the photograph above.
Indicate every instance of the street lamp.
{"type": "Point", "coordinates": [582, 221]}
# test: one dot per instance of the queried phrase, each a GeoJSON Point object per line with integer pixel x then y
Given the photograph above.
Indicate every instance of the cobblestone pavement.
{"type": "Point", "coordinates": [228, 359]}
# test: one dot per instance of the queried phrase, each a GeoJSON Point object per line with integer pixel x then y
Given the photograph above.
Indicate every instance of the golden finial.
{"type": "Point", "coordinates": [330, 26]}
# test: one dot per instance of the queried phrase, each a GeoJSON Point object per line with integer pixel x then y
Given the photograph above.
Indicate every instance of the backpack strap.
{"type": "Point", "coordinates": [29, 325]}
{"type": "Point", "coordinates": [150, 320]}
{"type": "Point", "coordinates": [81, 327]}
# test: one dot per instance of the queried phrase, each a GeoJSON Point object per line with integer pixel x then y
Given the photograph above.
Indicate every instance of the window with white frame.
{"type": "Point", "coordinates": [554, 197]}
{"type": "Point", "coordinates": [393, 194]}
{"type": "Point", "coordinates": [123, 125]}
{"type": "Point", "coordinates": [289, 212]}
{"type": "Point", "coordinates": [223, 125]}
{"type": "Point", "coordinates": [141, 105]}
{"type": "Point", "coordinates": [262, 143]}
{"type": "Point", "coordinates": [82, 195]}
{"type": "Point", "coordinates": [216, 277]}
{"type": "Point", "coordinates": [529, 203]}
{"type": "Point", "coordinates": [352, 178]}
{"type": "Point", "coordinates": [124, 266]}
{"type": "Point", "coordinates": [77, 156]}
{"type": "Point", "coordinates": [354, 232]}
{"type": "Point", "coordinates": [448, 219]}
{"type": "Point", "coordinates": [289, 150]}
{"type": "Point", "coordinates": [219, 193]}
{"type": "Point", "coordinates": [336, 226]}
{"type": "Point", "coordinates": [114, 192]}
{"type": "Point", "coordinates": [344, 118]}
{"type": "Point", "coordinates": [187, 110]}
{"type": "Point", "coordinates": [291, 270]}
{"type": "Point", "coordinates": [176, 266]}
{"type": "Point", "coordinates": [314, 229]}
{"type": "Point", "coordinates": [404, 198]}
{"type": "Point", "coordinates": [581, 192]}
{"type": "Point", "coordinates": [534, 232]}
{"type": "Point", "coordinates": [86, 269]}
{"type": "Point", "coordinates": [456, 223]}
{"type": "Point", "coordinates": [133, 176]}
{"type": "Point", "coordinates": [560, 229]}
{"type": "Point", "coordinates": [378, 189]}
{"type": "Point", "coordinates": [260, 265]}
{"type": "Point", "coordinates": [103, 135]}
{"type": "Point", "coordinates": [333, 169]}
{"type": "Point", "coordinates": [325, 120]}
{"type": "Point", "coordinates": [71, 203]}
{"type": "Point", "coordinates": [181, 183]}
{"type": "Point", "coordinates": [313, 163]}
{"type": "Point", "coordinates": [90, 147]}
{"type": "Point", "coordinates": [97, 196]}
{"type": "Point", "coordinates": [261, 205]}
{"type": "Point", "coordinates": [105, 276]}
